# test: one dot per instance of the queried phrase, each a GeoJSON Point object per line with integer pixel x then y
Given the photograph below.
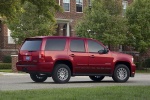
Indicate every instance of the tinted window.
{"type": "Point", "coordinates": [94, 46]}
{"type": "Point", "coordinates": [55, 44]}
{"type": "Point", "coordinates": [32, 44]}
{"type": "Point", "coordinates": [77, 46]}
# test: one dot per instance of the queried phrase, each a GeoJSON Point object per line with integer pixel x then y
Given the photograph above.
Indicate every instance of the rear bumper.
{"type": "Point", "coordinates": [38, 68]}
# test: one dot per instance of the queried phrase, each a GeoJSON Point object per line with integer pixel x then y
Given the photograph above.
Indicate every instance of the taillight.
{"type": "Point", "coordinates": [41, 56]}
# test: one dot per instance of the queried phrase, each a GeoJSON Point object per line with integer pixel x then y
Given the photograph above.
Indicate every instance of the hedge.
{"type": "Point", "coordinates": [6, 59]}
{"type": "Point", "coordinates": [5, 65]}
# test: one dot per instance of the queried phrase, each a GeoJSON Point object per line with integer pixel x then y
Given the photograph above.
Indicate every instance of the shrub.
{"type": "Point", "coordinates": [147, 63]}
{"type": "Point", "coordinates": [5, 65]}
{"type": "Point", "coordinates": [137, 65]}
{"type": "Point", "coordinates": [7, 59]}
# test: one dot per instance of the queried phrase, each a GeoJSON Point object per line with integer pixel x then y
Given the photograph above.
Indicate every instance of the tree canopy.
{"type": "Point", "coordinates": [29, 23]}
{"type": "Point", "coordinates": [104, 22]}
{"type": "Point", "coordinates": [9, 8]}
{"type": "Point", "coordinates": [138, 15]}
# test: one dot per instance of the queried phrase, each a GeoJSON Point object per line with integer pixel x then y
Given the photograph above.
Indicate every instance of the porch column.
{"type": "Point", "coordinates": [68, 29]}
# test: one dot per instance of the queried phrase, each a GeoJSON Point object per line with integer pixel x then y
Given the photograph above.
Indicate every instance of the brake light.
{"type": "Point", "coordinates": [41, 56]}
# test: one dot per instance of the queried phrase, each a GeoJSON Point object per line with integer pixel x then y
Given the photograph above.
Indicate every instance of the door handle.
{"type": "Point", "coordinates": [72, 55]}
{"type": "Point", "coordinates": [92, 56]}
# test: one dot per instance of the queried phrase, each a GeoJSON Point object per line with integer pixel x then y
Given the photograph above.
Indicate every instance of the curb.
{"type": "Point", "coordinates": [12, 74]}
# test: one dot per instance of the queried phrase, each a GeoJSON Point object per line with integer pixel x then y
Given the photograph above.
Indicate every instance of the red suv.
{"type": "Point", "coordinates": [63, 57]}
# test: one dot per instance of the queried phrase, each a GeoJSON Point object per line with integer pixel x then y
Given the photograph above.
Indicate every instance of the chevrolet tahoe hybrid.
{"type": "Point", "coordinates": [63, 57]}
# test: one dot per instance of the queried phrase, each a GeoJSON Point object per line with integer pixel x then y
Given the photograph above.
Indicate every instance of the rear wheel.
{"type": "Point", "coordinates": [97, 78]}
{"type": "Point", "coordinates": [61, 73]}
{"type": "Point", "coordinates": [38, 77]}
{"type": "Point", "coordinates": [121, 73]}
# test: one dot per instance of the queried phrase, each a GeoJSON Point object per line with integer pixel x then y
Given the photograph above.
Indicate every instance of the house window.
{"type": "Point", "coordinates": [59, 2]}
{"type": "Point", "coordinates": [66, 5]}
{"type": "Point", "coordinates": [90, 4]}
{"type": "Point", "coordinates": [10, 39]}
{"type": "Point", "coordinates": [79, 5]}
{"type": "Point", "coordinates": [124, 4]}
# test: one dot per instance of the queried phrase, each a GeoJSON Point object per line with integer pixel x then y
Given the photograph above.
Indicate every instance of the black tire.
{"type": "Point", "coordinates": [61, 73]}
{"type": "Point", "coordinates": [38, 77]}
{"type": "Point", "coordinates": [97, 78]}
{"type": "Point", "coordinates": [121, 73]}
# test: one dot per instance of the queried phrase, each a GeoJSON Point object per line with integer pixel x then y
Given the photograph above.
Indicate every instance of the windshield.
{"type": "Point", "coordinates": [32, 44]}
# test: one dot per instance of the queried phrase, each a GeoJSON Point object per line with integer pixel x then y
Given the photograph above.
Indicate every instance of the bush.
{"type": "Point", "coordinates": [147, 63]}
{"type": "Point", "coordinates": [5, 65]}
{"type": "Point", "coordinates": [137, 65]}
{"type": "Point", "coordinates": [7, 59]}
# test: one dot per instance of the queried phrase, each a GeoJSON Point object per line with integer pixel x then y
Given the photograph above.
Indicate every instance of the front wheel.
{"type": "Point", "coordinates": [61, 73]}
{"type": "Point", "coordinates": [38, 77]}
{"type": "Point", "coordinates": [121, 73]}
{"type": "Point", "coordinates": [97, 78]}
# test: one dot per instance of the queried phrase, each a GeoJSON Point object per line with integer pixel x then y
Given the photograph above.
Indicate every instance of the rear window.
{"type": "Point", "coordinates": [32, 44]}
{"type": "Point", "coordinates": [55, 44]}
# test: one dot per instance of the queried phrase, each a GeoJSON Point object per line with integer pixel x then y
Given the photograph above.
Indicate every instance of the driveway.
{"type": "Point", "coordinates": [10, 81]}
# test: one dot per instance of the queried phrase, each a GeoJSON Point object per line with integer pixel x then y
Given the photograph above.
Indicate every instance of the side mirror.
{"type": "Point", "coordinates": [103, 51]}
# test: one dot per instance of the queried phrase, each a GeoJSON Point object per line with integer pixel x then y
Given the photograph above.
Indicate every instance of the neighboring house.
{"type": "Point", "coordinates": [7, 44]}
{"type": "Point", "coordinates": [73, 11]}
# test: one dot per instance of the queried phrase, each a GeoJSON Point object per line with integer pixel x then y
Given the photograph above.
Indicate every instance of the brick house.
{"type": "Point", "coordinates": [7, 44]}
{"type": "Point", "coordinates": [66, 20]}
{"type": "Point", "coordinates": [73, 10]}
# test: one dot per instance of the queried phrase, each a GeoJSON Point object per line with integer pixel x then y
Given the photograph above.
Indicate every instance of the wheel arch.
{"type": "Point", "coordinates": [125, 63]}
{"type": "Point", "coordinates": [67, 62]}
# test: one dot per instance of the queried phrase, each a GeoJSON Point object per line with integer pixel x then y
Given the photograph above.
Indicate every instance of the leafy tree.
{"type": "Point", "coordinates": [9, 8]}
{"type": "Point", "coordinates": [29, 23]}
{"type": "Point", "coordinates": [138, 15]}
{"type": "Point", "coordinates": [104, 22]}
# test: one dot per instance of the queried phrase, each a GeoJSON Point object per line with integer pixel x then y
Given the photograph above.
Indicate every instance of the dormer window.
{"type": "Point", "coordinates": [79, 5]}
{"type": "Point", "coordinates": [66, 5]}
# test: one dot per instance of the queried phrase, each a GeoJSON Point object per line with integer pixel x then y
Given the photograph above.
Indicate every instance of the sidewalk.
{"type": "Point", "coordinates": [4, 73]}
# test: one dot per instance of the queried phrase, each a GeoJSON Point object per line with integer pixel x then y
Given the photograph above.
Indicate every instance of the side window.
{"type": "Point", "coordinates": [77, 46]}
{"type": "Point", "coordinates": [55, 44]}
{"type": "Point", "coordinates": [93, 46]}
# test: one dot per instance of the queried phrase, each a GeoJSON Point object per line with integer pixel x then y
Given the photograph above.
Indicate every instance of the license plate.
{"type": "Point", "coordinates": [27, 58]}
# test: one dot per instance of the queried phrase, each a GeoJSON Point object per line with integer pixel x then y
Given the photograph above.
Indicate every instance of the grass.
{"type": "Point", "coordinates": [6, 70]}
{"type": "Point", "coordinates": [97, 93]}
{"type": "Point", "coordinates": [143, 71]}
{"type": "Point", "coordinates": [5, 65]}
{"type": "Point", "coordinates": [137, 71]}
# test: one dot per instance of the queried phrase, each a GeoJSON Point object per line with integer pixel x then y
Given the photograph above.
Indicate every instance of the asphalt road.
{"type": "Point", "coordinates": [23, 82]}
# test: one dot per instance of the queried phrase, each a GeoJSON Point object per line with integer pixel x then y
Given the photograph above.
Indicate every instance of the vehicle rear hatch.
{"type": "Point", "coordinates": [30, 50]}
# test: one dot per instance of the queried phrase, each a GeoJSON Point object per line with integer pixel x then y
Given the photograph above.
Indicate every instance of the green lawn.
{"type": "Point", "coordinates": [97, 93]}
{"type": "Point", "coordinates": [6, 70]}
{"type": "Point", "coordinates": [143, 71]}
